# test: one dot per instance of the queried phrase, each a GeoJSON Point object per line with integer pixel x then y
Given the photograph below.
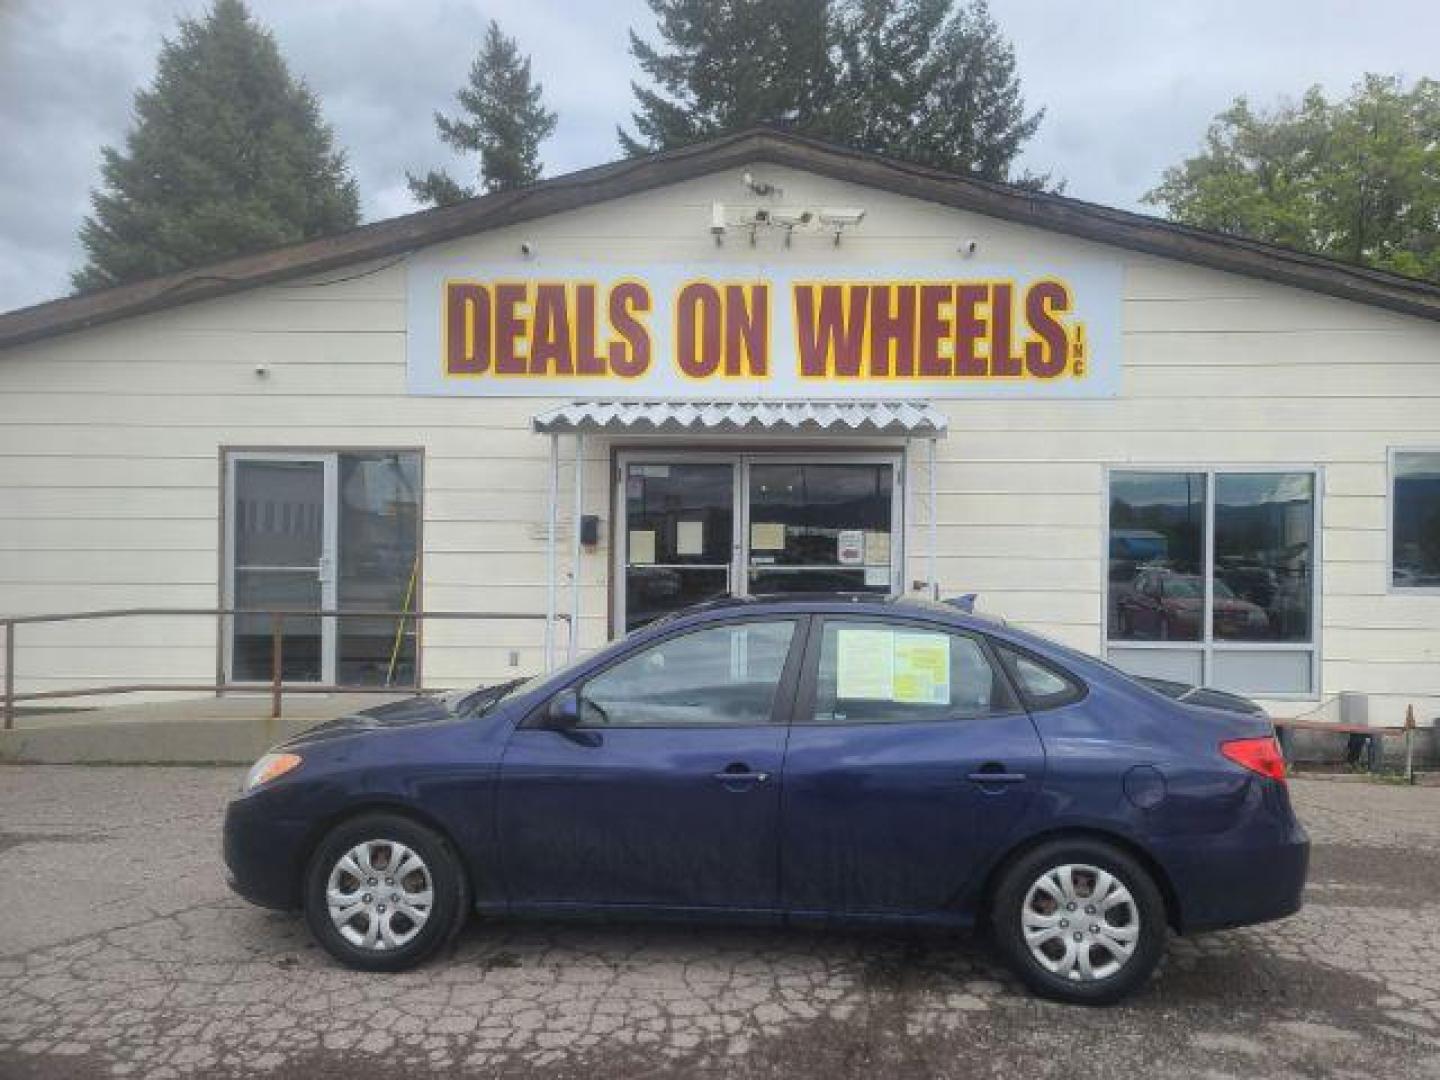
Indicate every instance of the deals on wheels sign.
{"type": "Point", "coordinates": [675, 331]}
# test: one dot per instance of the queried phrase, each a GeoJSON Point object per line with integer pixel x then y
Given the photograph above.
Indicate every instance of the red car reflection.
{"type": "Point", "coordinates": [1170, 606]}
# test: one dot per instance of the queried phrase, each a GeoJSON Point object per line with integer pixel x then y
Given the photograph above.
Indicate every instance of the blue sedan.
{"type": "Point", "coordinates": [812, 759]}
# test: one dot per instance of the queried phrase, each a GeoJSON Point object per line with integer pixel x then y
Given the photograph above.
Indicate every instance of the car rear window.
{"type": "Point", "coordinates": [1042, 685]}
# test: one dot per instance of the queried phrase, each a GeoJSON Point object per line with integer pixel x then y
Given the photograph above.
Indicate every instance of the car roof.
{"type": "Point", "coordinates": [833, 602]}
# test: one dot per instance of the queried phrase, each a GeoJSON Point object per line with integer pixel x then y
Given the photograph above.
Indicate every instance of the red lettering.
{"type": "Point", "coordinates": [1046, 356]}
{"type": "Point", "coordinates": [467, 328]}
{"type": "Point", "coordinates": [630, 355]}
{"type": "Point", "coordinates": [509, 327]}
{"type": "Point", "coordinates": [697, 330]}
{"type": "Point", "coordinates": [1002, 313]}
{"type": "Point", "coordinates": [892, 330]}
{"type": "Point", "coordinates": [828, 340]}
{"type": "Point", "coordinates": [747, 329]}
{"type": "Point", "coordinates": [550, 334]}
{"type": "Point", "coordinates": [969, 330]}
{"type": "Point", "coordinates": [933, 330]}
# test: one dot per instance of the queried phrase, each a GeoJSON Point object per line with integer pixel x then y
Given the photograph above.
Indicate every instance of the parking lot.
{"type": "Point", "coordinates": [124, 955]}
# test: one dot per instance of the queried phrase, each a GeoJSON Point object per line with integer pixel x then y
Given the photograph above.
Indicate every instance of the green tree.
{"type": "Point", "coordinates": [504, 120]}
{"type": "Point", "coordinates": [1357, 179]}
{"type": "Point", "coordinates": [924, 80]}
{"type": "Point", "coordinates": [228, 154]}
{"type": "Point", "coordinates": [727, 66]}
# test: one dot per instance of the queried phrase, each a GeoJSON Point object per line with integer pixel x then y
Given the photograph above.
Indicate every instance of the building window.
{"type": "Point", "coordinates": [1211, 578]}
{"type": "Point", "coordinates": [1415, 519]}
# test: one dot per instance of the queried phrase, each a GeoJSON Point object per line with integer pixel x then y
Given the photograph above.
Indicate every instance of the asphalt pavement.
{"type": "Point", "coordinates": [123, 954]}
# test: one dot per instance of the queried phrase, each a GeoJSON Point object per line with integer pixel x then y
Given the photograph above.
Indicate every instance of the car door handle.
{"type": "Point", "coordinates": [984, 776]}
{"type": "Point", "coordinates": [738, 776]}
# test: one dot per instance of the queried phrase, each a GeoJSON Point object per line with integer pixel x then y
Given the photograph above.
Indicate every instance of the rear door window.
{"type": "Point", "coordinates": [875, 671]}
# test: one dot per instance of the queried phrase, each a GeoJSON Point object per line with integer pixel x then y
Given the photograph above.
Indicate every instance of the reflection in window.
{"type": "Point", "coordinates": [719, 675]}
{"type": "Point", "coordinates": [1157, 523]}
{"type": "Point", "coordinates": [1264, 556]}
{"type": "Point", "coordinates": [1415, 524]}
{"type": "Point", "coordinates": [379, 552]}
{"type": "Point", "coordinates": [820, 528]}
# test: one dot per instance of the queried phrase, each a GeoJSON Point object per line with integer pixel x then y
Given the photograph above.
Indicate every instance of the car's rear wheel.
{"type": "Point", "coordinates": [382, 892]}
{"type": "Point", "coordinates": [1080, 921]}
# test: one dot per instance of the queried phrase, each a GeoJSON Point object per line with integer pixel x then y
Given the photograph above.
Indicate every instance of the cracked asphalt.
{"type": "Point", "coordinates": [123, 954]}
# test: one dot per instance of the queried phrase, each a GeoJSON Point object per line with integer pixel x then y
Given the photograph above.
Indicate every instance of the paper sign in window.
{"type": "Point", "coordinates": [864, 664]}
{"type": "Point", "coordinates": [922, 669]}
{"type": "Point", "coordinates": [642, 546]}
{"type": "Point", "coordinates": [850, 547]}
{"type": "Point", "coordinates": [877, 549]}
{"type": "Point", "coordinates": [767, 535]}
{"type": "Point", "coordinates": [689, 537]}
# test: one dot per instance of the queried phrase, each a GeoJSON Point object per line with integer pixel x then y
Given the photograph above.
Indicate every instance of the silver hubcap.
{"type": "Point", "coordinates": [1080, 923]}
{"type": "Point", "coordinates": [380, 894]}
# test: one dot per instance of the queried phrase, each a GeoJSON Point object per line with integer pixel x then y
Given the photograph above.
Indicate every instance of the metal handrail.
{"type": "Point", "coordinates": [277, 686]}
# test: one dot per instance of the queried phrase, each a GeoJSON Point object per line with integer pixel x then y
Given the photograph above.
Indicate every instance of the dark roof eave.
{"type": "Point", "coordinates": [573, 191]}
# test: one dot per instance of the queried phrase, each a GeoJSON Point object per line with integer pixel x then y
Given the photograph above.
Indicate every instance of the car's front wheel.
{"type": "Point", "coordinates": [382, 892]}
{"type": "Point", "coordinates": [1080, 921]}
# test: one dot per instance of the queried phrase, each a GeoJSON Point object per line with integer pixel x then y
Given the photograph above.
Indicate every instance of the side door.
{"type": "Point", "coordinates": [666, 792]}
{"type": "Point", "coordinates": [909, 760]}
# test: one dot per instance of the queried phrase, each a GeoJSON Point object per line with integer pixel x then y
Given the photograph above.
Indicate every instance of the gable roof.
{"type": "Point", "coordinates": [1058, 213]}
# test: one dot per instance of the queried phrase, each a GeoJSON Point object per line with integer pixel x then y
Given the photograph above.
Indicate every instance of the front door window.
{"type": "Point", "coordinates": [751, 525]}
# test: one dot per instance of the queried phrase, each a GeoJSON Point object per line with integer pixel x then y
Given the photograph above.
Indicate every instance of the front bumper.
{"type": "Point", "coordinates": [264, 853]}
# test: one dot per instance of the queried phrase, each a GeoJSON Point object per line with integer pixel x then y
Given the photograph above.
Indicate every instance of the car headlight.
{"type": "Point", "coordinates": [268, 768]}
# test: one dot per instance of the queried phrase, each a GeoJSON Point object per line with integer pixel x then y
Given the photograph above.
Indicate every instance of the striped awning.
{"type": "Point", "coordinates": [908, 418]}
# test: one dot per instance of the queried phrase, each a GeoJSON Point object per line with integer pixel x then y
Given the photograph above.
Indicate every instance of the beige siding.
{"type": "Point", "coordinates": [110, 446]}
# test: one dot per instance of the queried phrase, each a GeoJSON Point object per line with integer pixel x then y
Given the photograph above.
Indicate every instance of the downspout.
{"type": "Point", "coordinates": [930, 570]}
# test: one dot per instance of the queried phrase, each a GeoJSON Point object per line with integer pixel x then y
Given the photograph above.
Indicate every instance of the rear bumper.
{"type": "Point", "coordinates": [264, 854]}
{"type": "Point", "coordinates": [1251, 875]}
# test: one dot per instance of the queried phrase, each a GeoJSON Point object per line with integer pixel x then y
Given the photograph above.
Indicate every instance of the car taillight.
{"type": "Point", "coordinates": [1258, 755]}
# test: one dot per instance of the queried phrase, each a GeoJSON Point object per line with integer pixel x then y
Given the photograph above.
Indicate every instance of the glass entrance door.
{"type": "Point", "coordinates": [679, 537]}
{"type": "Point", "coordinates": [819, 527]}
{"type": "Point", "coordinates": [311, 531]}
{"type": "Point", "coordinates": [699, 527]}
{"type": "Point", "coordinates": [282, 543]}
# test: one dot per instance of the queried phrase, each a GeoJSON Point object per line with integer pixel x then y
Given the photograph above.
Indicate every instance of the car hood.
{"type": "Point", "coordinates": [408, 712]}
{"type": "Point", "coordinates": [422, 709]}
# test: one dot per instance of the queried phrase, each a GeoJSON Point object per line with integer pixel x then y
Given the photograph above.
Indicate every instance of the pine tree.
{"type": "Point", "coordinates": [728, 66]}
{"type": "Point", "coordinates": [922, 80]}
{"type": "Point", "coordinates": [504, 120]}
{"type": "Point", "coordinates": [228, 154]}
{"type": "Point", "coordinates": [974, 119]}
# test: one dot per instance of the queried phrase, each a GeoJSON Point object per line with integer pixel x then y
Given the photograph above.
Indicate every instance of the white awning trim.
{"type": "Point", "coordinates": [910, 418]}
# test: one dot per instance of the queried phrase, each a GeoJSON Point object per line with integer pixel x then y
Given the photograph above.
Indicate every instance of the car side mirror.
{"type": "Point", "coordinates": [563, 711]}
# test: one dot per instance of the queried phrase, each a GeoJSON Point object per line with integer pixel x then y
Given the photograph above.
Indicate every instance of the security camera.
{"type": "Point", "coordinates": [841, 216]}
{"type": "Point", "coordinates": [717, 222]}
{"type": "Point", "coordinates": [791, 218]}
{"type": "Point", "coordinates": [969, 247]}
{"type": "Point", "coordinates": [760, 187]}
{"type": "Point", "coordinates": [527, 249]}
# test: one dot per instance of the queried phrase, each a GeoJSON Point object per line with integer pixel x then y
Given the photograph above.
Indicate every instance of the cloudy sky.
{"type": "Point", "coordinates": [1128, 86]}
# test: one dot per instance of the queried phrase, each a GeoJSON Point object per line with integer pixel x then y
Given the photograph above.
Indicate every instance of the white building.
{"type": "Point", "coordinates": [784, 366]}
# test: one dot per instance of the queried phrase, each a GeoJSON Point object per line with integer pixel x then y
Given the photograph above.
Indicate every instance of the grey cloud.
{"type": "Point", "coordinates": [1128, 87]}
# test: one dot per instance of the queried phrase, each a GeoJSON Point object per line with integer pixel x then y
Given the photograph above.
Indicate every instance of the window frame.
{"type": "Point", "coordinates": [781, 709]}
{"type": "Point", "coordinates": [802, 714]}
{"type": "Point", "coordinates": [1208, 646]}
{"type": "Point", "coordinates": [1391, 589]}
